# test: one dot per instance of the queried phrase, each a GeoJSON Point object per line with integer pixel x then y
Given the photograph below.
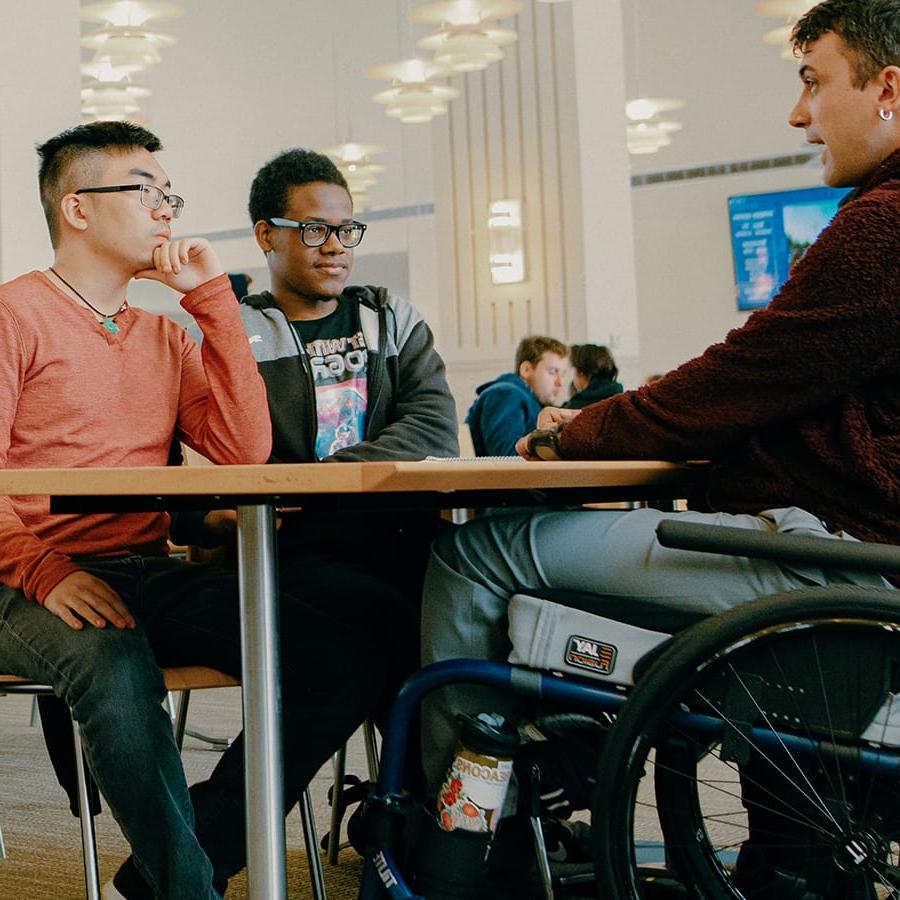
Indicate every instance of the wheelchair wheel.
{"type": "Point", "coordinates": [760, 756]}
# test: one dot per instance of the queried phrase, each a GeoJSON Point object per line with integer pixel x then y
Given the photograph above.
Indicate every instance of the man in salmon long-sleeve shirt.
{"type": "Point", "coordinates": [798, 410]}
{"type": "Point", "coordinates": [91, 604]}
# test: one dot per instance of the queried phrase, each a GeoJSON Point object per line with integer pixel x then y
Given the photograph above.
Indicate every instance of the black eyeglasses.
{"type": "Point", "coordinates": [151, 196]}
{"type": "Point", "coordinates": [314, 234]}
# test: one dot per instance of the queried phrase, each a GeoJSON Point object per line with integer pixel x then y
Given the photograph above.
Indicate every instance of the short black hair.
{"type": "Point", "coordinates": [269, 191]}
{"type": "Point", "coordinates": [869, 28]}
{"type": "Point", "coordinates": [58, 155]}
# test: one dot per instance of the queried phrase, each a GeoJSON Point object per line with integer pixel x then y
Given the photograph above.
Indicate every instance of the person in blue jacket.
{"type": "Point", "coordinates": [508, 407]}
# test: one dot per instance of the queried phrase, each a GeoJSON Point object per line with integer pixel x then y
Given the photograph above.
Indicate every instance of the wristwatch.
{"type": "Point", "coordinates": [545, 444]}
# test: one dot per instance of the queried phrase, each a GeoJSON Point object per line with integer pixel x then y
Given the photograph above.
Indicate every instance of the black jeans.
{"type": "Point", "coordinates": [334, 624]}
{"type": "Point", "coordinates": [336, 621]}
{"type": "Point", "coordinates": [110, 679]}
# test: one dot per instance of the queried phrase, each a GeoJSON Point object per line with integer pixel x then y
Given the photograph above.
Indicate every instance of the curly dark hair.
{"type": "Point", "coordinates": [870, 28]}
{"type": "Point", "coordinates": [269, 191]}
{"type": "Point", "coordinates": [59, 155]}
{"type": "Point", "coordinates": [593, 360]}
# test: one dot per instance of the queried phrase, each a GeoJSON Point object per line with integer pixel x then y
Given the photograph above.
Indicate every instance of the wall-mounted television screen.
{"type": "Point", "coordinates": [770, 232]}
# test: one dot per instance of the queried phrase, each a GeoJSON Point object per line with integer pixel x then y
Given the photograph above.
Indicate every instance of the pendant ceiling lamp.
{"type": "Point", "coordinates": [413, 96]}
{"type": "Point", "coordinates": [354, 160]}
{"type": "Point", "coordinates": [126, 48]}
{"type": "Point", "coordinates": [647, 131]}
{"type": "Point", "coordinates": [790, 11]}
{"type": "Point", "coordinates": [122, 46]}
{"type": "Point", "coordinates": [128, 13]}
{"type": "Point", "coordinates": [467, 40]}
{"type": "Point", "coordinates": [111, 98]}
{"type": "Point", "coordinates": [467, 49]}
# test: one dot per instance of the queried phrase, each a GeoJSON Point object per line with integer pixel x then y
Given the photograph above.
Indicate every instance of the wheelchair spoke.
{"type": "Point", "coordinates": [755, 742]}
{"type": "Point", "coordinates": [812, 795]}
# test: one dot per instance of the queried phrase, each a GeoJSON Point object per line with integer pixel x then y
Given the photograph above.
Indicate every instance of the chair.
{"type": "Point", "coordinates": [181, 679]}
{"type": "Point", "coordinates": [773, 728]}
{"type": "Point", "coordinates": [331, 841]}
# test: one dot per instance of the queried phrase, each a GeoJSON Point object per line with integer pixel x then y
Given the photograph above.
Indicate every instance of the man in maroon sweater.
{"type": "Point", "coordinates": [798, 410]}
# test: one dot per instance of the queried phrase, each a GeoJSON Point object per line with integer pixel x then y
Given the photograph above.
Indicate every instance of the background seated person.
{"type": "Point", "coordinates": [594, 375]}
{"type": "Point", "coordinates": [508, 407]}
{"type": "Point", "coordinates": [798, 410]}
{"type": "Point", "coordinates": [240, 283]}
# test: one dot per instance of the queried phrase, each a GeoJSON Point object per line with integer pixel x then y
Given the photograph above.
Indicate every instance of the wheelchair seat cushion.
{"type": "Point", "coordinates": [588, 634]}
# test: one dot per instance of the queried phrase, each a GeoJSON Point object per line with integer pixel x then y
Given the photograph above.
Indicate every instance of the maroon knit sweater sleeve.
{"type": "Point", "coordinates": [828, 337]}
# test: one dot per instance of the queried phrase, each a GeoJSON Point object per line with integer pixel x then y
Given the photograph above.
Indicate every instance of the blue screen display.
{"type": "Point", "coordinates": [770, 232]}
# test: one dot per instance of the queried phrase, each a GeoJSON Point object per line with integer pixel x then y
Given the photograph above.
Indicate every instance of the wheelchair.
{"type": "Point", "coordinates": [753, 755]}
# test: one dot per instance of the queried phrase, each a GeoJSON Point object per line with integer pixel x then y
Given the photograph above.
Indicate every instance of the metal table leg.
{"type": "Point", "coordinates": [261, 676]}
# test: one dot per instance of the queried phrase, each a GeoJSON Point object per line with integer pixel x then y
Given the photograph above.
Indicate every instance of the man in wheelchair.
{"type": "Point", "coordinates": [798, 412]}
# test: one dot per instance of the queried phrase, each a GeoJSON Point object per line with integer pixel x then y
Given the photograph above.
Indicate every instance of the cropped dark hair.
{"type": "Point", "coordinates": [269, 191]}
{"type": "Point", "coordinates": [593, 361]}
{"type": "Point", "coordinates": [532, 348]}
{"type": "Point", "coordinates": [59, 154]}
{"type": "Point", "coordinates": [870, 28]}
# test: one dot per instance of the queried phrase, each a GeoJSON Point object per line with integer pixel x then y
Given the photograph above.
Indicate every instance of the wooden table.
{"type": "Point", "coordinates": [256, 491]}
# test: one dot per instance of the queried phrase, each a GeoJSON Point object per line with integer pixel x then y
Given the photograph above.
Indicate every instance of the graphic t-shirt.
{"type": "Point", "coordinates": [337, 353]}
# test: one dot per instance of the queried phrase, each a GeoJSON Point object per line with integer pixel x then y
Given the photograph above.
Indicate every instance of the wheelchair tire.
{"type": "Point", "coordinates": [784, 687]}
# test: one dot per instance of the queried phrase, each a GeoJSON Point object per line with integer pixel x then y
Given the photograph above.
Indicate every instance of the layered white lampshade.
{"type": "Point", "coordinates": [413, 96]}
{"type": "Point", "coordinates": [467, 49]}
{"type": "Point", "coordinates": [129, 13]}
{"type": "Point", "coordinates": [647, 131]}
{"type": "Point", "coordinates": [354, 159]}
{"type": "Point", "coordinates": [126, 48]}
{"type": "Point", "coordinates": [104, 98]}
{"type": "Point", "coordinates": [468, 39]}
{"type": "Point", "coordinates": [122, 46]}
{"type": "Point", "coordinates": [464, 12]}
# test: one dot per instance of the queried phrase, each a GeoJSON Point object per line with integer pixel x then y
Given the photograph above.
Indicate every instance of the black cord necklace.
{"type": "Point", "coordinates": [105, 320]}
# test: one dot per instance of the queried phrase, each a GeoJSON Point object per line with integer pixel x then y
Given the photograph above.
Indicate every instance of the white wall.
{"type": "Point", "coordinates": [39, 56]}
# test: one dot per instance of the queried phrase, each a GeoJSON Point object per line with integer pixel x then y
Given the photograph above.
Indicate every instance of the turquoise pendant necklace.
{"type": "Point", "coordinates": [106, 321]}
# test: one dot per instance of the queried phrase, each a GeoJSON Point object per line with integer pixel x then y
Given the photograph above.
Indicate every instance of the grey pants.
{"type": "Point", "coordinates": [475, 569]}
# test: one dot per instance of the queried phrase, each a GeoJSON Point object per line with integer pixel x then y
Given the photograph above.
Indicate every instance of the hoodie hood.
{"type": "Point", "coordinates": [509, 378]}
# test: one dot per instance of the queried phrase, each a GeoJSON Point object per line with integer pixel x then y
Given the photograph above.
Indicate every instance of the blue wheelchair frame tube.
{"type": "Point", "coordinates": [382, 876]}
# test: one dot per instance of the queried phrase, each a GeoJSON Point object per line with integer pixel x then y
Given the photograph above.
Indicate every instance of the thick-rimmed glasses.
{"type": "Point", "coordinates": [314, 234]}
{"type": "Point", "coordinates": [151, 196]}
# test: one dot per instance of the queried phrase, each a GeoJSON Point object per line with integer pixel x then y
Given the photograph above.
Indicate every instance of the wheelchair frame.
{"type": "Point", "coordinates": [820, 613]}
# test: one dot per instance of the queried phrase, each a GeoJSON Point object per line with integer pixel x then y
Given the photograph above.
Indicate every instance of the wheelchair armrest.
{"type": "Point", "coordinates": [854, 555]}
